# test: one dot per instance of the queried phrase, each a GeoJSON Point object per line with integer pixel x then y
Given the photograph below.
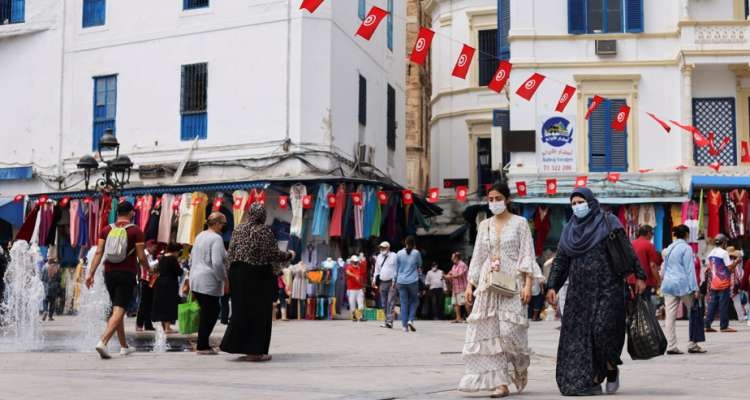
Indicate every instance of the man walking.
{"type": "Point", "coordinates": [385, 270]}
{"type": "Point", "coordinates": [121, 246]}
{"type": "Point", "coordinates": [408, 262]}
{"type": "Point", "coordinates": [649, 258]}
{"type": "Point", "coordinates": [458, 277]}
{"type": "Point", "coordinates": [434, 282]}
{"type": "Point", "coordinates": [721, 267]}
{"type": "Point", "coordinates": [147, 293]}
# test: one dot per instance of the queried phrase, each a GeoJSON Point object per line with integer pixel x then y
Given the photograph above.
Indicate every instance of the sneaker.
{"type": "Point", "coordinates": [710, 330]}
{"type": "Point", "coordinates": [406, 330]}
{"type": "Point", "coordinates": [696, 350]}
{"type": "Point", "coordinates": [674, 352]}
{"type": "Point", "coordinates": [126, 351]}
{"type": "Point", "coordinates": [101, 348]}
{"type": "Point", "coordinates": [729, 330]}
{"type": "Point", "coordinates": [613, 386]}
{"type": "Point", "coordinates": [411, 326]}
{"type": "Point", "coordinates": [387, 325]}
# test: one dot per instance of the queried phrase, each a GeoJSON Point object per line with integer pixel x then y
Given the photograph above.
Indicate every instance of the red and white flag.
{"type": "Point", "coordinates": [217, 205]}
{"type": "Point", "coordinates": [613, 177]}
{"type": "Point", "coordinates": [357, 199]}
{"type": "Point", "coordinates": [621, 119]}
{"type": "Point", "coordinates": [422, 46]}
{"type": "Point", "coordinates": [521, 188]}
{"type": "Point", "coordinates": [745, 149]}
{"type": "Point", "coordinates": [331, 200]}
{"type": "Point", "coordinates": [371, 22]}
{"type": "Point", "coordinates": [176, 202]}
{"type": "Point", "coordinates": [663, 124]}
{"type": "Point", "coordinates": [307, 201]}
{"type": "Point", "coordinates": [88, 200]}
{"type": "Point", "coordinates": [502, 73]}
{"type": "Point", "coordinates": [261, 198]}
{"type": "Point", "coordinates": [310, 5]}
{"type": "Point", "coordinates": [237, 203]}
{"type": "Point", "coordinates": [383, 198]}
{"type": "Point", "coordinates": [681, 167]}
{"type": "Point", "coordinates": [462, 193]}
{"type": "Point", "coordinates": [645, 170]}
{"type": "Point", "coordinates": [433, 195]}
{"type": "Point", "coordinates": [529, 87]}
{"type": "Point", "coordinates": [552, 186]}
{"type": "Point", "coordinates": [595, 101]}
{"type": "Point", "coordinates": [581, 181]}
{"type": "Point", "coordinates": [565, 97]}
{"type": "Point", "coordinates": [716, 166]}
{"type": "Point", "coordinates": [19, 198]}
{"type": "Point", "coordinates": [408, 197]}
{"type": "Point", "coordinates": [699, 140]}
{"type": "Point", "coordinates": [64, 202]}
{"type": "Point", "coordinates": [283, 202]}
{"type": "Point", "coordinates": [463, 62]}
{"type": "Point", "coordinates": [688, 128]}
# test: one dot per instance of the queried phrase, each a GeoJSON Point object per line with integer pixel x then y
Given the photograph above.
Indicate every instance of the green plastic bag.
{"type": "Point", "coordinates": [188, 315]}
{"type": "Point", "coordinates": [448, 306]}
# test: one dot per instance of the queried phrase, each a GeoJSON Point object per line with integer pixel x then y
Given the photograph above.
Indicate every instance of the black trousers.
{"type": "Point", "coordinates": [225, 309]}
{"type": "Point", "coordinates": [208, 315]}
{"type": "Point", "coordinates": [437, 300]}
{"type": "Point", "coordinates": [144, 308]}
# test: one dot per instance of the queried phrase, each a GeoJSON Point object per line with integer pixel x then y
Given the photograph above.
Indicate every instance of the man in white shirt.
{"type": "Point", "coordinates": [385, 270]}
{"type": "Point", "coordinates": [434, 283]}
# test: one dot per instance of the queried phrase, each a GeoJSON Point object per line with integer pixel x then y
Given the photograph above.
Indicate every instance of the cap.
{"type": "Point", "coordinates": [721, 238]}
{"type": "Point", "coordinates": [355, 259]}
{"type": "Point", "coordinates": [385, 245]}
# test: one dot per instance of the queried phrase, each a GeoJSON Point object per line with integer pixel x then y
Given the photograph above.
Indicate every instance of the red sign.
{"type": "Point", "coordinates": [371, 22]}
{"type": "Point", "coordinates": [310, 5]}
{"type": "Point", "coordinates": [621, 120]}
{"type": "Point", "coordinates": [565, 97]}
{"type": "Point", "coordinates": [462, 193]}
{"type": "Point", "coordinates": [19, 198]}
{"type": "Point", "coordinates": [88, 200]}
{"type": "Point", "coordinates": [594, 104]}
{"type": "Point", "coordinates": [237, 203]}
{"type": "Point", "coordinates": [331, 200]}
{"type": "Point", "coordinates": [64, 201]}
{"type": "Point", "coordinates": [645, 171]}
{"type": "Point", "coordinates": [422, 45]}
{"type": "Point", "coordinates": [261, 198]}
{"type": "Point", "coordinates": [745, 158]}
{"type": "Point", "coordinates": [217, 204]}
{"type": "Point", "coordinates": [464, 62]}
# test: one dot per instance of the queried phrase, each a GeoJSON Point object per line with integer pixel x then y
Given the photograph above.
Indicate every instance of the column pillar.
{"type": "Point", "coordinates": [687, 113]}
{"type": "Point", "coordinates": [684, 10]}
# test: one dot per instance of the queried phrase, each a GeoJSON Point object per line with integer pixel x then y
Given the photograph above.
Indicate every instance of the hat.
{"type": "Point", "coordinates": [721, 238]}
{"type": "Point", "coordinates": [124, 207]}
{"type": "Point", "coordinates": [385, 245]}
{"type": "Point", "coordinates": [355, 259]}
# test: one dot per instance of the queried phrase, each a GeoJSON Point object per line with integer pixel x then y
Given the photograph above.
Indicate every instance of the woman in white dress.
{"type": "Point", "coordinates": [496, 348]}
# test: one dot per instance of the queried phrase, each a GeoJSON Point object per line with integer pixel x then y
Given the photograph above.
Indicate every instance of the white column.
{"type": "Point", "coordinates": [687, 113]}
{"type": "Point", "coordinates": [684, 10]}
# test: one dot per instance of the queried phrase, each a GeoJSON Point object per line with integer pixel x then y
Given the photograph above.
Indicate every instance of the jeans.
{"type": "Point", "coordinates": [208, 315]}
{"type": "Point", "coordinates": [719, 299]}
{"type": "Point", "coordinates": [670, 304]}
{"type": "Point", "coordinates": [437, 303]}
{"type": "Point", "coordinates": [388, 299]}
{"type": "Point", "coordinates": [409, 295]}
{"type": "Point", "coordinates": [144, 308]}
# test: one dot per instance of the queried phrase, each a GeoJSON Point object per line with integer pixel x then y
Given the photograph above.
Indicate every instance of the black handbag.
{"type": "Point", "coordinates": [645, 338]}
{"type": "Point", "coordinates": [620, 255]}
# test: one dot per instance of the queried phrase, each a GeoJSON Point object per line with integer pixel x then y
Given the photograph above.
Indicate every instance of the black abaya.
{"type": "Point", "coordinates": [249, 330]}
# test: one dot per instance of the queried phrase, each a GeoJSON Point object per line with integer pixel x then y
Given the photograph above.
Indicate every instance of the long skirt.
{"type": "Point", "coordinates": [165, 299]}
{"type": "Point", "coordinates": [249, 330]}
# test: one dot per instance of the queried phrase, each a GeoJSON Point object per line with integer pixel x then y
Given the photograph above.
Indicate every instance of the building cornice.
{"type": "Point", "coordinates": [596, 64]}
{"type": "Point", "coordinates": [599, 36]}
{"type": "Point", "coordinates": [714, 23]}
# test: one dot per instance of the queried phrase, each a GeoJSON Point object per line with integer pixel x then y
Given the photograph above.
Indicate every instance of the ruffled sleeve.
{"type": "Point", "coordinates": [481, 252]}
{"type": "Point", "coordinates": [526, 256]}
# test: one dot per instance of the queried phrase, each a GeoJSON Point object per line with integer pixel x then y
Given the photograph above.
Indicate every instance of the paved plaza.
{"type": "Point", "coordinates": [344, 360]}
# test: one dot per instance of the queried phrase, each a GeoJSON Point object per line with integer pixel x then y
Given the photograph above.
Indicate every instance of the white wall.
{"type": "Point", "coordinates": [711, 10]}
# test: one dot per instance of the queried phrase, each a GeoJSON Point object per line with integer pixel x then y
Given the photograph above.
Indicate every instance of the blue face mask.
{"type": "Point", "coordinates": [581, 210]}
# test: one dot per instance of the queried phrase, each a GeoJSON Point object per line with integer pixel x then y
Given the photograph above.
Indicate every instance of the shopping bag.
{"type": "Point", "coordinates": [188, 315]}
{"type": "Point", "coordinates": [448, 306]}
{"type": "Point", "coordinates": [645, 338]}
{"type": "Point", "coordinates": [697, 331]}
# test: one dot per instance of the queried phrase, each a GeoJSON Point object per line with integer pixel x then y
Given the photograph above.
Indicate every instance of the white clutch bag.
{"type": "Point", "coordinates": [503, 283]}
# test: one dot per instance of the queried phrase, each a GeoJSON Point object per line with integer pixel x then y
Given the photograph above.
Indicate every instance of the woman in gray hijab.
{"type": "Point", "coordinates": [254, 258]}
{"type": "Point", "coordinates": [593, 326]}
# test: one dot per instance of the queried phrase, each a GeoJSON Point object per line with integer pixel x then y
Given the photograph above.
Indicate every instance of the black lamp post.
{"type": "Point", "coordinates": [116, 171]}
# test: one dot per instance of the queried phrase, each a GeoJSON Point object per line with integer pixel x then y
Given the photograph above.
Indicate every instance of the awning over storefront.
{"type": "Point", "coordinates": [16, 173]}
{"type": "Point", "coordinates": [718, 182]}
{"type": "Point", "coordinates": [11, 211]}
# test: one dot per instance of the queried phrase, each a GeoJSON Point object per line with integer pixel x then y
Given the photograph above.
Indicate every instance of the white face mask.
{"type": "Point", "coordinates": [497, 207]}
{"type": "Point", "coordinates": [383, 252]}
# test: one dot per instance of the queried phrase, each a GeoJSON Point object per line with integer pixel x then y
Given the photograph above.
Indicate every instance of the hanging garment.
{"type": "Point", "coordinates": [35, 233]}
{"type": "Point", "coordinates": [631, 217]}
{"type": "Point", "coordinates": [322, 214]}
{"type": "Point", "coordinates": [370, 203]}
{"type": "Point", "coordinates": [103, 215]}
{"type": "Point", "coordinates": [52, 232]}
{"type": "Point", "coordinates": [27, 228]}
{"type": "Point", "coordinates": [226, 235]}
{"type": "Point", "coordinates": [200, 203]}
{"type": "Point", "coordinates": [299, 284]}
{"type": "Point", "coordinates": [740, 199]}
{"type": "Point", "coordinates": [113, 211]}
{"type": "Point", "coordinates": [690, 210]}
{"type": "Point", "coordinates": [659, 227]}
{"type": "Point", "coordinates": [165, 218]}
{"type": "Point", "coordinates": [83, 226]}
{"type": "Point", "coordinates": [93, 222]}
{"type": "Point", "coordinates": [542, 226]}
{"type": "Point", "coordinates": [377, 219]}
{"type": "Point", "coordinates": [646, 215]}
{"type": "Point", "coordinates": [296, 194]}
{"type": "Point", "coordinates": [622, 215]}
{"type": "Point", "coordinates": [731, 219]}
{"type": "Point", "coordinates": [347, 223]}
{"type": "Point", "coordinates": [152, 227]}
{"type": "Point", "coordinates": [310, 261]}
{"type": "Point", "coordinates": [359, 214]}
{"type": "Point", "coordinates": [144, 211]}
{"type": "Point", "coordinates": [74, 221]}
{"type": "Point", "coordinates": [239, 199]}
{"type": "Point", "coordinates": [45, 223]}
{"type": "Point", "coordinates": [338, 212]}
{"type": "Point", "coordinates": [692, 225]}
{"type": "Point", "coordinates": [185, 223]}
{"type": "Point", "coordinates": [714, 204]}
{"type": "Point", "coordinates": [676, 212]}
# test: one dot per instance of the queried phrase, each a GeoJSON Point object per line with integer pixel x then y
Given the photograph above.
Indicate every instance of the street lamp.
{"type": "Point", "coordinates": [116, 172]}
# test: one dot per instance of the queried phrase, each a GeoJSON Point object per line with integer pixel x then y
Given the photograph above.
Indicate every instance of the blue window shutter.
{"type": "Point", "coordinates": [194, 126]}
{"type": "Point", "coordinates": [599, 129]}
{"type": "Point", "coordinates": [94, 12]}
{"type": "Point", "coordinates": [503, 29]}
{"type": "Point", "coordinates": [634, 15]}
{"type": "Point", "coordinates": [618, 149]}
{"type": "Point", "coordinates": [576, 17]}
{"type": "Point", "coordinates": [105, 107]}
{"type": "Point", "coordinates": [17, 11]}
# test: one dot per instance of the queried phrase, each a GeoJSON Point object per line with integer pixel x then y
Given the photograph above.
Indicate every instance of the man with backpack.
{"type": "Point", "coordinates": [121, 247]}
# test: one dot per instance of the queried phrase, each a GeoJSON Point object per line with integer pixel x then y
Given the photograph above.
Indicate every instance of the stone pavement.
{"type": "Point", "coordinates": [344, 360]}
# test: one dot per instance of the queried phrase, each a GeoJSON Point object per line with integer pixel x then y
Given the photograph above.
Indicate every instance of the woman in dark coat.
{"type": "Point", "coordinates": [165, 288]}
{"type": "Point", "coordinates": [593, 326]}
{"type": "Point", "coordinates": [253, 257]}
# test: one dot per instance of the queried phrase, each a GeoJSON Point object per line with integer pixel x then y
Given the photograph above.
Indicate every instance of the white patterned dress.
{"type": "Point", "coordinates": [496, 350]}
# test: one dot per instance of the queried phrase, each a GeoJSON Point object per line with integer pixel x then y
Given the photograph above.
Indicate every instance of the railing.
{"type": "Point", "coordinates": [714, 35]}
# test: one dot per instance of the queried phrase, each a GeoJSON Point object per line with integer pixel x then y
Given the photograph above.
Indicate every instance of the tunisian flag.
{"type": "Point", "coordinates": [663, 124]}
{"type": "Point", "coordinates": [433, 195]}
{"type": "Point", "coordinates": [501, 76]}
{"type": "Point", "coordinates": [745, 148]}
{"type": "Point", "coordinates": [621, 119]}
{"type": "Point", "coordinates": [369, 24]}
{"type": "Point", "coordinates": [462, 193]}
{"type": "Point", "coordinates": [407, 197]}
{"type": "Point", "coordinates": [552, 186]}
{"type": "Point", "coordinates": [310, 5]}
{"type": "Point", "coordinates": [521, 188]}
{"type": "Point", "coordinates": [382, 198]}
{"type": "Point", "coordinates": [594, 103]}
{"type": "Point", "coordinates": [565, 97]}
{"type": "Point", "coordinates": [422, 46]}
{"type": "Point", "coordinates": [464, 61]}
{"type": "Point", "coordinates": [529, 87]}
{"type": "Point", "coordinates": [581, 181]}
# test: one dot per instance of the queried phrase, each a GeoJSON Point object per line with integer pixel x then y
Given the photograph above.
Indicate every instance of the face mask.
{"type": "Point", "coordinates": [581, 210]}
{"type": "Point", "coordinates": [497, 207]}
{"type": "Point", "coordinates": [383, 252]}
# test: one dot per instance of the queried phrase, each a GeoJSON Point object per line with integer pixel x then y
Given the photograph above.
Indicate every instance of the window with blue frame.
{"type": "Point", "coordinates": [105, 106]}
{"type": "Point", "coordinates": [608, 149]}
{"type": "Point", "coordinates": [194, 102]}
{"type": "Point", "coordinates": [503, 29]}
{"type": "Point", "coordinates": [12, 11]}
{"type": "Point", "coordinates": [605, 16]}
{"type": "Point", "coordinates": [193, 4]}
{"type": "Point", "coordinates": [487, 61]}
{"type": "Point", "coordinates": [94, 12]}
{"type": "Point", "coordinates": [389, 24]}
{"type": "Point", "coordinates": [361, 11]}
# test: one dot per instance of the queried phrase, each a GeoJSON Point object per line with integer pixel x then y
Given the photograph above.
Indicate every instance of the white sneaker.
{"type": "Point", "coordinates": [126, 351]}
{"type": "Point", "coordinates": [411, 326]}
{"type": "Point", "coordinates": [612, 387]}
{"type": "Point", "coordinates": [101, 348]}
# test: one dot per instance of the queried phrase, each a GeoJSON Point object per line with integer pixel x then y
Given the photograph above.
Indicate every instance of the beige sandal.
{"type": "Point", "coordinates": [500, 392]}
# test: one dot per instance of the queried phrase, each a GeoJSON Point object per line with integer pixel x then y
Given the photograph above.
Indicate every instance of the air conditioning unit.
{"type": "Point", "coordinates": [365, 154]}
{"type": "Point", "coordinates": [606, 47]}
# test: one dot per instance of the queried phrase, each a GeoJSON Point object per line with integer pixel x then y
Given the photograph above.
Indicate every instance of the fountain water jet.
{"type": "Point", "coordinates": [20, 326]}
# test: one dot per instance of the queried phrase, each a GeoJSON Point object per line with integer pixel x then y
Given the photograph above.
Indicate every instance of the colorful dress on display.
{"type": "Point", "coordinates": [714, 204]}
{"type": "Point", "coordinates": [165, 219]}
{"type": "Point", "coordinates": [322, 215]}
{"type": "Point", "coordinates": [184, 225]}
{"type": "Point", "coordinates": [338, 212]}
{"type": "Point", "coordinates": [739, 198]}
{"type": "Point", "coordinates": [542, 226]}
{"type": "Point", "coordinates": [200, 203]}
{"type": "Point", "coordinates": [296, 196]}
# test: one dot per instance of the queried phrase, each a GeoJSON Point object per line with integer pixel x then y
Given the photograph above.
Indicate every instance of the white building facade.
{"type": "Point", "coordinates": [243, 90]}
